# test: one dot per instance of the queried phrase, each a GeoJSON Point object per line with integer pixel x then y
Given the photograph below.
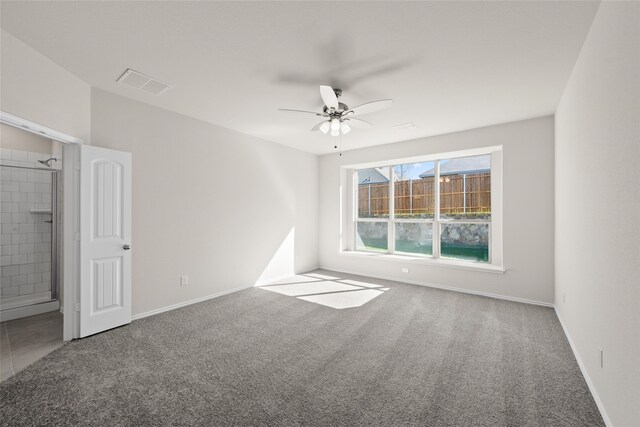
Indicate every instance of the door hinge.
{"type": "Point", "coordinates": [76, 306]}
{"type": "Point", "coordinates": [76, 166]}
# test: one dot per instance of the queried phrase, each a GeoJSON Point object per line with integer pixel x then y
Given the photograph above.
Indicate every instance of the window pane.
{"type": "Point", "coordinates": [373, 192]}
{"type": "Point", "coordinates": [414, 238]}
{"type": "Point", "coordinates": [465, 241]}
{"type": "Point", "coordinates": [465, 187]}
{"type": "Point", "coordinates": [414, 192]}
{"type": "Point", "coordinates": [371, 236]}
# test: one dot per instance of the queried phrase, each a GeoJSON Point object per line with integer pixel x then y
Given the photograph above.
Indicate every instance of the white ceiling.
{"type": "Point", "coordinates": [448, 66]}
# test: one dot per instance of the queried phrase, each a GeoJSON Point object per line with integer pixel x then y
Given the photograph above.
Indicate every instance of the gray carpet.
{"type": "Point", "coordinates": [411, 356]}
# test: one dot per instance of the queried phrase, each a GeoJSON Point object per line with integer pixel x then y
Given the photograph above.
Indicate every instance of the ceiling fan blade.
{"type": "Point", "coordinates": [317, 127]}
{"type": "Point", "coordinates": [370, 107]}
{"type": "Point", "coordinates": [358, 123]}
{"type": "Point", "coordinates": [329, 97]}
{"type": "Point", "coordinates": [301, 111]}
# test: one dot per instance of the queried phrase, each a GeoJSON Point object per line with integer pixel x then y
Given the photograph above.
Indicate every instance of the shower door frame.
{"type": "Point", "coordinates": [55, 283]}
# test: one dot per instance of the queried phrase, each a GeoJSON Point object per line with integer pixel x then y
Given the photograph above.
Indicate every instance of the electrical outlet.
{"type": "Point", "coordinates": [184, 280]}
{"type": "Point", "coordinates": [405, 270]}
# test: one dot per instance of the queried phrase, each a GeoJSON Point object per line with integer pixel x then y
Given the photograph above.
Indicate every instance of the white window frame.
{"type": "Point", "coordinates": [494, 223]}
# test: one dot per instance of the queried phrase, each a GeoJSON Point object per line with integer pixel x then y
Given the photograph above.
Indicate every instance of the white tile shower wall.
{"type": "Point", "coordinates": [25, 238]}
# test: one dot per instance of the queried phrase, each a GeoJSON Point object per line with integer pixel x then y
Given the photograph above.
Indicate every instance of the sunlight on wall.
{"type": "Point", "coordinates": [282, 262]}
{"type": "Point", "coordinates": [329, 291]}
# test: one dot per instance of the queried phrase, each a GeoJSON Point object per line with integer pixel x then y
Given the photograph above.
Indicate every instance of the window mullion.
{"type": "Point", "coordinates": [435, 243]}
{"type": "Point", "coordinates": [356, 208]}
{"type": "Point", "coordinates": [391, 242]}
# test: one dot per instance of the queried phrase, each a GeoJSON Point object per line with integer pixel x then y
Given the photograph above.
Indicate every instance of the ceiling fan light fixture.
{"type": "Point", "coordinates": [324, 128]}
{"type": "Point", "coordinates": [336, 114]}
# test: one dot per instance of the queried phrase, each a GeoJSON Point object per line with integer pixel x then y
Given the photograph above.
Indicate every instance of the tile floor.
{"type": "Point", "coordinates": [23, 341]}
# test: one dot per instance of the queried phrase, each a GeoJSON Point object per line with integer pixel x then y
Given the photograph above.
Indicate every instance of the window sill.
{"type": "Point", "coordinates": [485, 268]}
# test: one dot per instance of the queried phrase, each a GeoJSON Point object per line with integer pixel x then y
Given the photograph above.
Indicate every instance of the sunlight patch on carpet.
{"type": "Point", "coordinates": [328, 291]}
{"type": "Point", "coordinates": [340, 300]}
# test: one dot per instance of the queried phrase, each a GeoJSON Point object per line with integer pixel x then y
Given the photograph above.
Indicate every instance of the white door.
{"type": "Point", "coordinates": [105, 239]}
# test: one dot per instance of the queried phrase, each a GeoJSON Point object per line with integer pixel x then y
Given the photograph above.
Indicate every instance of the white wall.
{"type": "Point", "coordinates": [225, 208]}
{"type": "Point", "coordinates": [35, 88]}
{"type": "Point", "coordinates": [12, 138]}
{"type": "Point", "coordinates": [527, 211]}
{"type": "Point", "coordinates": [598, 209]}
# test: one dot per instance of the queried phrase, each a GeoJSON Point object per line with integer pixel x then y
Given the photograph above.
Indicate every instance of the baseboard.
{"type": "Point", "coordinates": [585, 374]}
{"type": "Point", "coordinates": [29, 310]}
{"type": "Point", "coordinates": [185, 303]}
{"type": "Point", "coordinates": [444, 287]}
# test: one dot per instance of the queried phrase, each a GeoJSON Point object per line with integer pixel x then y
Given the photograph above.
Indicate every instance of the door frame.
{"type": "Point", "coordinates": [70, 301]}
{"type": "Point", "coordinates": [71, 241]}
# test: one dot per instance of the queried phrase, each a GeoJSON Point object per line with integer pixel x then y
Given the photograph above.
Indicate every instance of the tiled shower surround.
{"type": "Point", "coordinates": [25, 257]}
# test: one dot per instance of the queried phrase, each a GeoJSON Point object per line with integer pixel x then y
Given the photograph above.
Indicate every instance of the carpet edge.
{"type": "Point", "coordinates": [585, 374]}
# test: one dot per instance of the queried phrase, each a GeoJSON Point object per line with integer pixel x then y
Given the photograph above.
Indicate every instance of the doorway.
{"type": "Point", "coordinates": [31, 321]}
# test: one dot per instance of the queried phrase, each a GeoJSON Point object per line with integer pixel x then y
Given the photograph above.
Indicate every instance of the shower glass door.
{"type": "Point", "coordinates": [28, 238]}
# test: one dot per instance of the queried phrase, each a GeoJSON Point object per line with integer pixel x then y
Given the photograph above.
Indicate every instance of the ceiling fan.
{"type": "Point", "coordinates": [338, 117]}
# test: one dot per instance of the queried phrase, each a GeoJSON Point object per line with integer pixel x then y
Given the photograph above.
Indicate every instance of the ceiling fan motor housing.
{"type": "Point", "coordinates": [341, 107]}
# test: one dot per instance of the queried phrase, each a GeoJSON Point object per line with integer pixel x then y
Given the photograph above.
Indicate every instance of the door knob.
{"type": "Point", "coordinates": [126, 247]}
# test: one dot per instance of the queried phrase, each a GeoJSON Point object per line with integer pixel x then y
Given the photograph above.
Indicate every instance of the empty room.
{"type": "Point", "coordinates": [318, 213]}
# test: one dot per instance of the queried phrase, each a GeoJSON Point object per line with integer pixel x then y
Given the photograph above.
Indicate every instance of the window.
{"type": "Point", "coordinates": [436, 208]}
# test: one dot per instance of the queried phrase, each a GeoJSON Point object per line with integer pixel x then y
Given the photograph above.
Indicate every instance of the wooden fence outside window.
{"type": "Point", "coordinates": [467, 195]}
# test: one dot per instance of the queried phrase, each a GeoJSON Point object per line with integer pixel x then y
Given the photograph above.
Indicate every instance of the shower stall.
{"type": "Point", "coordinates": [29, 239]}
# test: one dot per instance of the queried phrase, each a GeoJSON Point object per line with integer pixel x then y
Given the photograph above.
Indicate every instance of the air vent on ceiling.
{"type": "Point", "coordinates": [142, 81]}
